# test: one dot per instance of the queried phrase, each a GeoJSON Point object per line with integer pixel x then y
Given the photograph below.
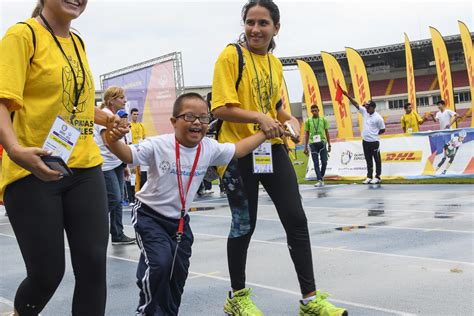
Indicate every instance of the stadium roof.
{"type": "Point", "coordinates": [389, 55]}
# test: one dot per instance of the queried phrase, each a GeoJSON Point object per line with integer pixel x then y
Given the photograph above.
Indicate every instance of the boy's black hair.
{"type": "Point", "coordinates": [178, 104]}
{"type": "Point", "coordinates": [406, 105]}
{"type": "Point", "coordinates": [441, 102]}
{"type": "Point", "coordinates": [133, 110]}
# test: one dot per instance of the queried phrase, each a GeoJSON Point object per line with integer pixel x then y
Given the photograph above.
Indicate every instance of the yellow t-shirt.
{"type": "Point", "coordinates": [42, 90]}
{"type": "Point", "coordinates": [411, 121]}
{"type": "Point", "coordinates": [138, 132]}
{"type": "Point", "coordinates": [248, 96]}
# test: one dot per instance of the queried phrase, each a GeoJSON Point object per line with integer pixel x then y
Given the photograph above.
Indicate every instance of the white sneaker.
{"type": "Point", "coordinates": [319, 184]}
{"type": "Point", "coordinates": [223, 194]}
{"type": "Point", "coordinates": [208, 192]}
{"type": "Point", "coordinates": [367, 181]}
{"type": "Point", "coordinates": [375, 181]}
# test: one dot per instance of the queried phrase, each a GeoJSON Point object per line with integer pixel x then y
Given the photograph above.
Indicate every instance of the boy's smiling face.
{"type": "Point", "coordinates": [189, 134]}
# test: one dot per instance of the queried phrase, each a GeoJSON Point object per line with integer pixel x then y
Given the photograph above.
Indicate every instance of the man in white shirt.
{"type": "Point", "coordinates": [373, 127]}
{"type": "Point", "coordinates": [444, 116]}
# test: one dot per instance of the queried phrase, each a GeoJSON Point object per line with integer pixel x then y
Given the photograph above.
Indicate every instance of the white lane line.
{"type": "Point", "coordinates": [381, 208]}
{"type": "Point", "coordinates": [350, 224]}
{"type": "Point", "coordinates": [345, 250]}
{"type": "Point", "coordinates": [204, 275]}
{"type": "Point", "coordinates": [268, 287]}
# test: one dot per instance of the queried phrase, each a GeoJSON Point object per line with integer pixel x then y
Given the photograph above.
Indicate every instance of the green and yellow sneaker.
{"type": "Point", "coordinates": [240, 304]}
{"type": "Point", "coordinates": [321, 307]}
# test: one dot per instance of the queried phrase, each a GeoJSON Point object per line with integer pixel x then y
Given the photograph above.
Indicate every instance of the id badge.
{"type": "Point", "coordinates": [316, 138]}
{"type": "Point", "coordinates": [262, 158]}
{"type": "Point", "coordinates": [410, 130]}
{"type": "Point", "coordinates": [61, 139]}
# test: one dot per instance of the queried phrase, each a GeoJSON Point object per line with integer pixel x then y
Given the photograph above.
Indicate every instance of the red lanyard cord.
{"type": "Point", "coordinates": [182, 194]}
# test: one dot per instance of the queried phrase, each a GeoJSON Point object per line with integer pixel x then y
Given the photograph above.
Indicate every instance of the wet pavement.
{"type": "Point", "coordinates": [378, 250]}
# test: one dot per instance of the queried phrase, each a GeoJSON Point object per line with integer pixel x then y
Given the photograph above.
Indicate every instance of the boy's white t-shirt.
{"type": "Point", "coordinates": [160, 191]}
{"type": "Point", "coordinates": [444, 118]}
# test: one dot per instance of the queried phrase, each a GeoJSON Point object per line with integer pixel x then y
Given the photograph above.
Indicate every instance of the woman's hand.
{"type": "Point", "coordinates": [271, 127]}
{"type": "Point", "coordinates": [116, 128]}
{"type": "Point", "coordinates": [29, 158]}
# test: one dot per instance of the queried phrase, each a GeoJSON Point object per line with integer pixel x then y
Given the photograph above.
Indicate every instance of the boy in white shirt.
{"type": "Point", "coordinates": [160, 216]}
{"type": "Point", "coordinates": [444, 116]}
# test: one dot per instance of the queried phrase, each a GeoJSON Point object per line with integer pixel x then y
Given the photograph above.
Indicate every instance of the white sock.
{"type": "Point", "coordinates": [308, 299]}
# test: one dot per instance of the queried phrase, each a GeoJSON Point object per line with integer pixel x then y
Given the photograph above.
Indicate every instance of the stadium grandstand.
{"type": "Point", "coordinates": [386, 69]}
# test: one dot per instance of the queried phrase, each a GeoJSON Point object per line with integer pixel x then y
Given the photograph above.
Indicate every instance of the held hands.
{"type": "Point", "coordinates": [271, 127]}
{"type": "Point", "coordinates": [116, 128]}
{"type": "Point", "coordinates": [29, 159]}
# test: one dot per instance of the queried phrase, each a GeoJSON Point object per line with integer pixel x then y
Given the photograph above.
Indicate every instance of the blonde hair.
{"type": "Point", "coordinates": [37, 10]}
{"type": "Point", "coordinates": [110, 94]}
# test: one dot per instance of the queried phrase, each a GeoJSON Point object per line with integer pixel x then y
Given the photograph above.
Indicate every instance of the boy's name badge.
{"type": "Point", "coordinates": [262, 158]}
{"type": "Point", "coordinates": [316, 138]}
{"type": "Point", "coordinates": [61, 139]}
{"type": "Point", "coordinates": [410, 130]}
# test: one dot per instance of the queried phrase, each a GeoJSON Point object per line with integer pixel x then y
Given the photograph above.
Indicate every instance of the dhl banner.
{"type": "Point", "coordinates": [312, 94]}
{"type": "Point", "coordinates": [443, 69]}
{"type": "Point", "coordinates": [419, 155]}
{"type": "Point", "coordinates": [360, 80]}
{"type": "Point", "coordinates": [410, 74]}
{"type": "Point", "coordinates": [342, 109]}
{"type": "Point", "coordinates": [285, 104]}
{"type": "Point", "coordinates": [467, 46]}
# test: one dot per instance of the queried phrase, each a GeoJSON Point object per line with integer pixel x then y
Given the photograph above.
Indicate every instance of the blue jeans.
{"type": "Point", "coordinates": [114, 182]}
{"type": "Point", "coordinates": [318, 150]}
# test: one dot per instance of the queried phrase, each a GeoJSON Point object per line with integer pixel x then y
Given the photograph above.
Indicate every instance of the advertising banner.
{"type": "Point", "coordinates": [446, 153]}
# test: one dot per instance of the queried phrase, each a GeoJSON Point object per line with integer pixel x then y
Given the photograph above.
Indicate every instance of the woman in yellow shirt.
{"type": "Point", "coordinates": [247, 105]}
{"type": "Point", "coordinates": [44, 74]}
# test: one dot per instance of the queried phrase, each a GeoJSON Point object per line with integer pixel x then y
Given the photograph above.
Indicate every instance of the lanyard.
{"type": "Point", "coordinates": [265, 111]}
{"type": "Point", "coordinates": [317, 128]}
{"type": "Point", "coordinates": [78, 91]}
{"type": "Point", "coordinates": [182, 194]}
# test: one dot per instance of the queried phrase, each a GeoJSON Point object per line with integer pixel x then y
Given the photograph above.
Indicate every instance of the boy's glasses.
{"type": "Point", "coordinates": [191, 117]}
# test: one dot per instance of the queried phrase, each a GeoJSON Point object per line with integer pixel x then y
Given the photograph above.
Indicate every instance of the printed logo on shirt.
{"type": "Point", "coordinates": [165, 166]}
{"type": "Point", "coordinates": [266, 92]}
{"type": "Point", "coordinates": [68, 96]}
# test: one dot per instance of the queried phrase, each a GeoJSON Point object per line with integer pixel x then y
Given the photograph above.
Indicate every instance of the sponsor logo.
{"type": "Point", "coordinates": [165, 166]}
{"type": "Point", "coordinates": [346, 157]}
{"type": "Point", "coordinates": [402, 156]}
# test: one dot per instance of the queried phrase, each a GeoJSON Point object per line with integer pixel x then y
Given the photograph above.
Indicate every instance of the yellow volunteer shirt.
{"type": "Point", "coordinates": [43, 90]}
{"type": "Point", "coordinates": [247, 97]}
{"type": "Point", "coordinates": [138, 132]}
{"type": "Point", "coordinates": [412, 121]}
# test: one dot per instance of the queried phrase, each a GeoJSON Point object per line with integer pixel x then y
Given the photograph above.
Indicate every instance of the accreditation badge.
{"type": "Point", "coordinates": [316, 138]}
{"type": "Point", "coordinates": [262, 158]}
{"type": "Point", "coordinates": [61, 139]}
{"type": "Point", "coordinates": [409, 130]}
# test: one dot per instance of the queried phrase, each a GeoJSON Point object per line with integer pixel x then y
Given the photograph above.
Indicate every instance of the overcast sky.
{"type": "Point", "coordinates": [121, 33]}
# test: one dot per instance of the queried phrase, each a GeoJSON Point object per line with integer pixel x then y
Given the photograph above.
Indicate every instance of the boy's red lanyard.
{"type": "Point", "coordinates": [182, 194]}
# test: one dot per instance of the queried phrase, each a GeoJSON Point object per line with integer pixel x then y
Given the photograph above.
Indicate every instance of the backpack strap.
{"type": "Point", "coordinates": [240, 55]}
{"type": "Point", "coordinates": [33, 37]}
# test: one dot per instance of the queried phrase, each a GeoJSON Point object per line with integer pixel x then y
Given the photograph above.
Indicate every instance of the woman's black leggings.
{"type": "Point", "coordinates": [241, 186]}
{"type": "Point", "coordinates": [40, 212]}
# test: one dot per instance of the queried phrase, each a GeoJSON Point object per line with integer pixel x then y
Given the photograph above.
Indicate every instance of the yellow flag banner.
{"type": "Point", "coordinates": [443, 69]}
{"type": "Point", "coordinates": [312, 94]}
{"type": "Point", "coordinates": [410, 74]}
{"type": "Point", "coordinates": [360, 80]}
{"type": "Point", "coordinates": [285, 104]}
{"type": "Point", "coordinates": [341, 108]}
{"type": "Point", "coordinates": [467, 46]}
